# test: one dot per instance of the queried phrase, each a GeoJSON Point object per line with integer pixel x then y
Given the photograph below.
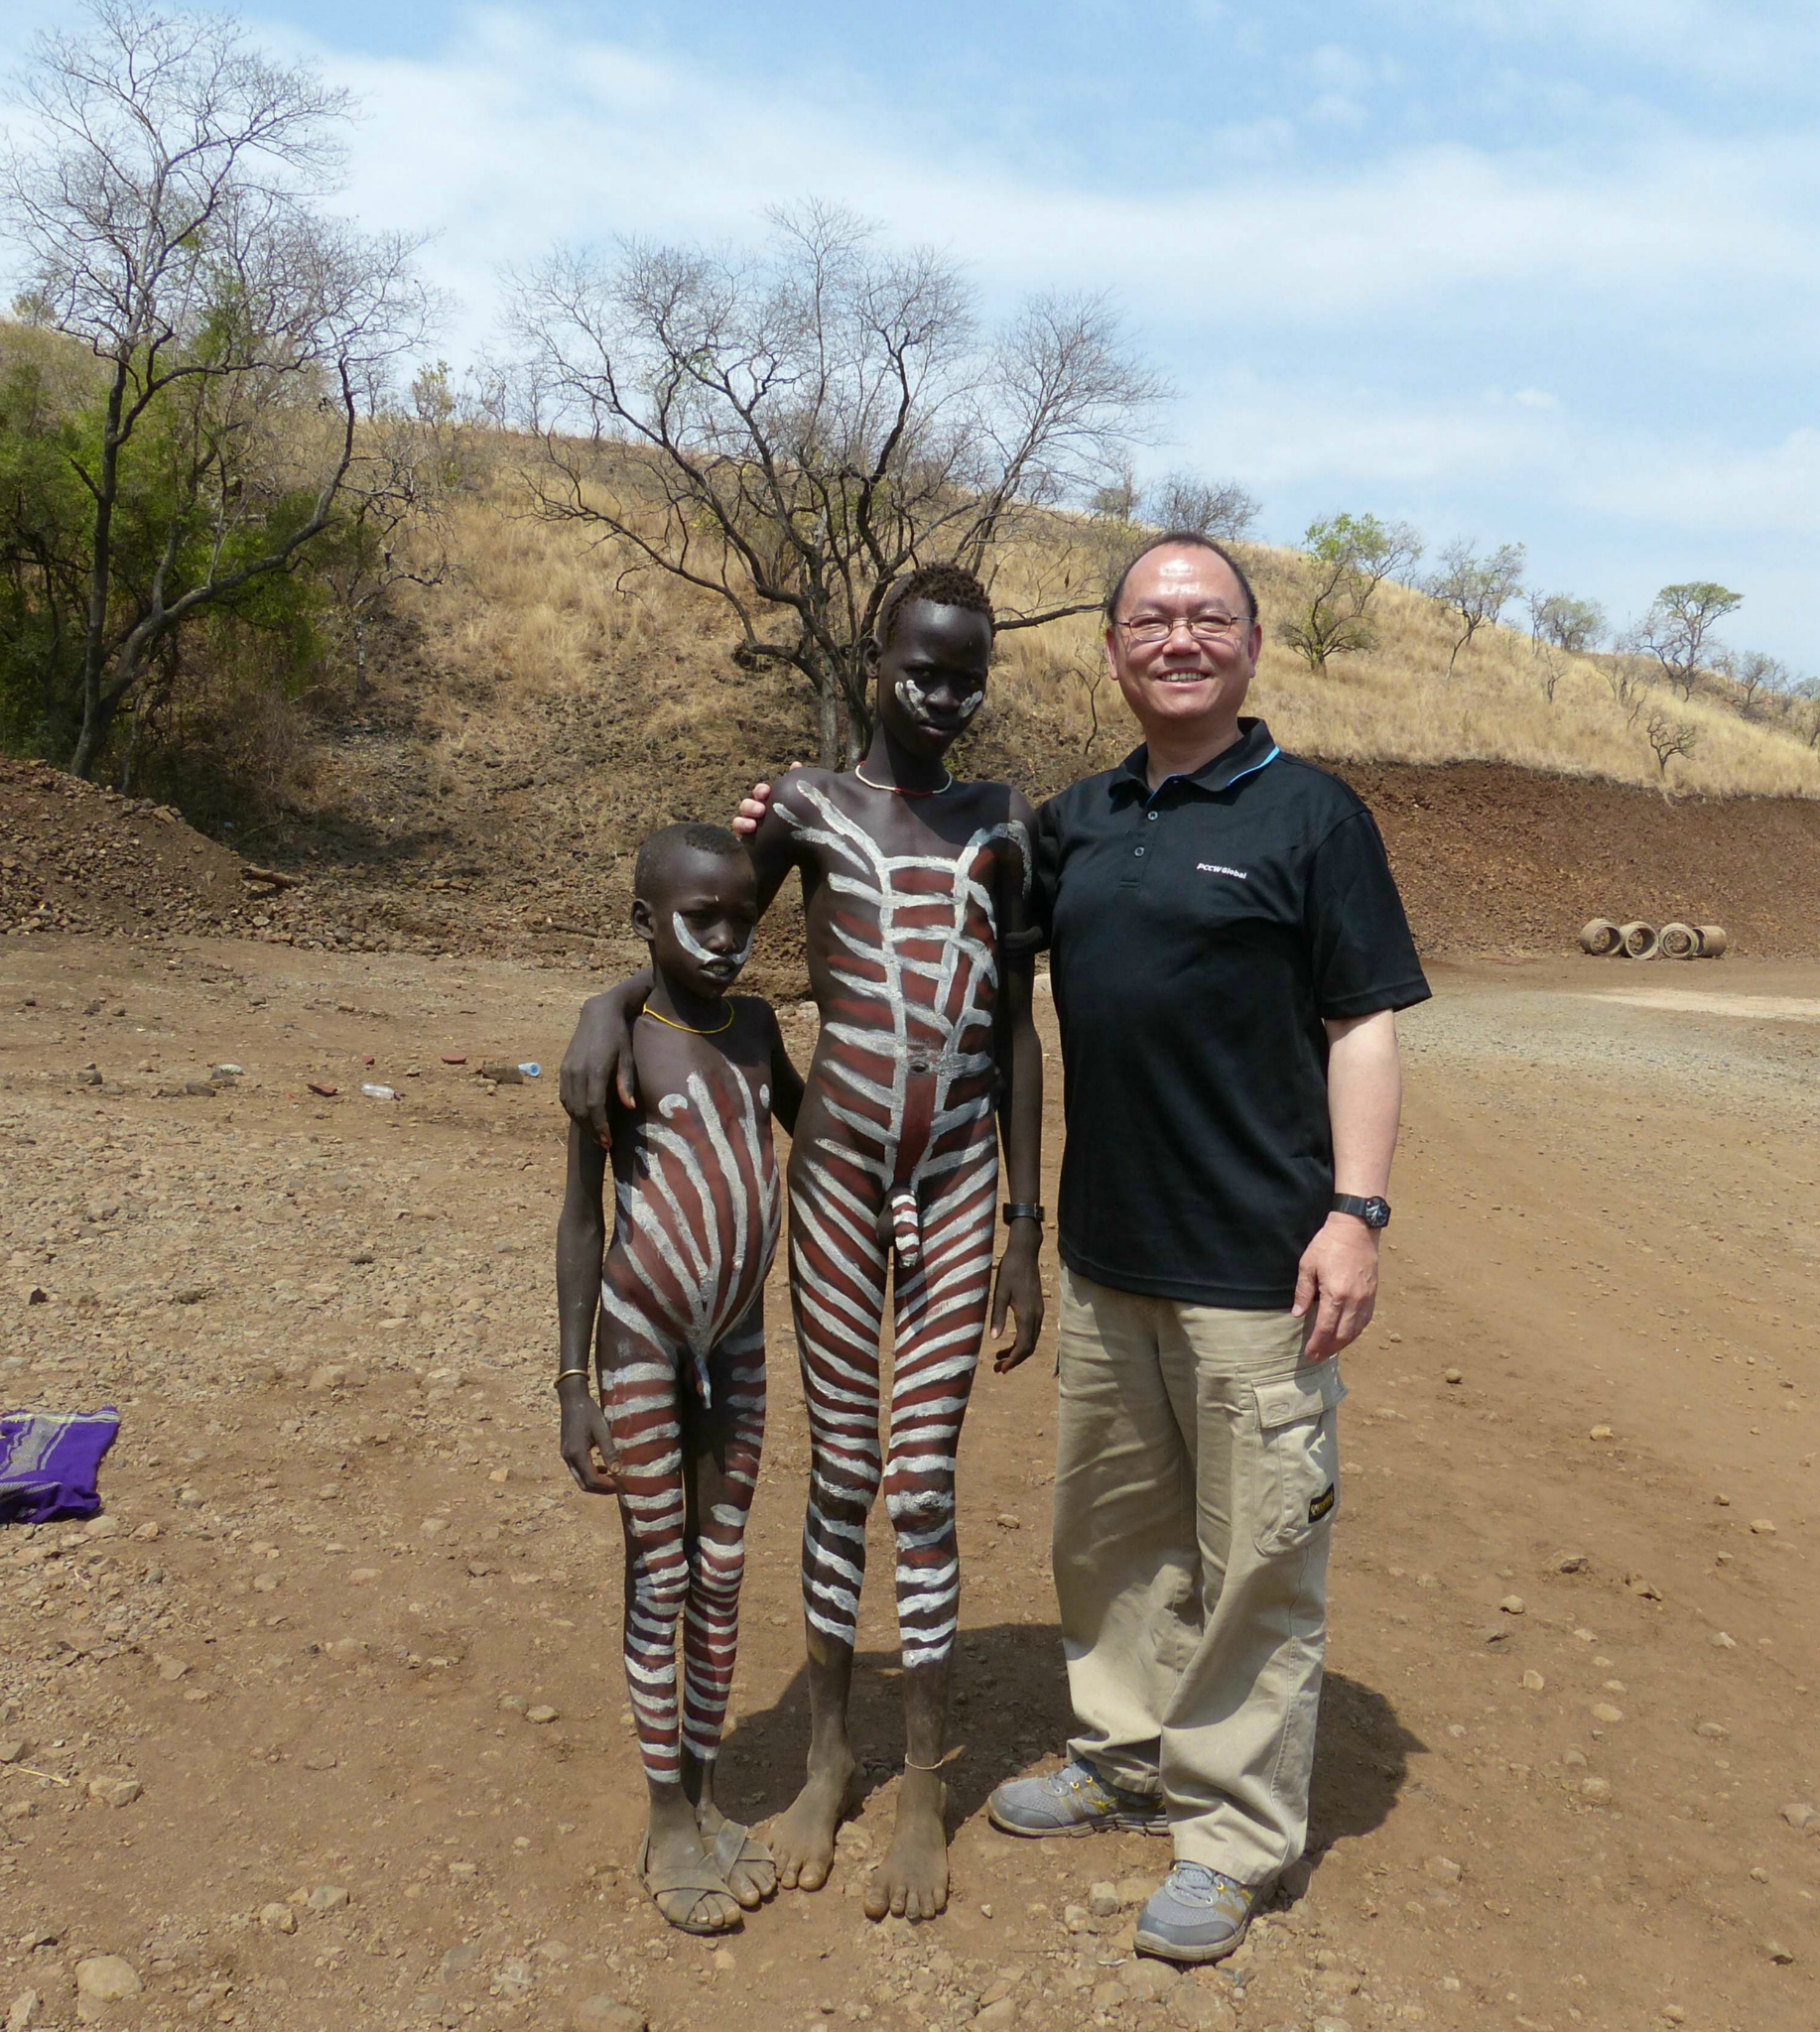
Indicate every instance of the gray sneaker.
{"type": "Point", "coordinates": [1196, 1915]}
{"type": "Point", "coordinates": [1075, 1800]}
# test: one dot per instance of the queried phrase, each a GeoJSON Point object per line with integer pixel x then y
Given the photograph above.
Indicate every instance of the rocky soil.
{"type": "Point", "coordinates": [320, 1725]}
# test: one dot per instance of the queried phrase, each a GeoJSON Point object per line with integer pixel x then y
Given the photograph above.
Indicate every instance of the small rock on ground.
{"type": "Point", "coordinates": [606, 2014]}
{"type": "Point", "coordinates": [106, 1979]}
{"type": "Point", "coordinates": [1150, 1981]}
{"type": "Point", "coordinates": [1199, 2009]}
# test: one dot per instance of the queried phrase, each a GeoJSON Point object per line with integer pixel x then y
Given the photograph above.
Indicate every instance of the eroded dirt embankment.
{"type": "Point", "coordinates": [1491, 859]}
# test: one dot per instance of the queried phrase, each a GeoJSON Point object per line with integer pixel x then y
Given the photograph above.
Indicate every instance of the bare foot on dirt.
{"type": "Point", "coordinates": [748, 1866]}
{"type": "Point", "coordinates": [803, 1841]}
{"type": "Point", "coordinates": [912, 1881]}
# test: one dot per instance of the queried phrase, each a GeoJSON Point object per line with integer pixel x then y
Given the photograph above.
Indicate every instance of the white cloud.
{"type": "Point", "coordinates": [517, 139]}
{"type": "Point", "coordinates": [1640, 288]}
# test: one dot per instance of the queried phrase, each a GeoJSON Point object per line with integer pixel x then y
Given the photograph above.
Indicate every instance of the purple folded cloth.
{"type": "Point", "coordinates": [50, 1461]}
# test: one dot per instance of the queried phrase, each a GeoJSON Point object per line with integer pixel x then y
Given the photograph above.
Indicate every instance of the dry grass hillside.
{"type": "Point", "coordinates": [533, 715]}
{"type": "Point", "coordinates": [533, 611]}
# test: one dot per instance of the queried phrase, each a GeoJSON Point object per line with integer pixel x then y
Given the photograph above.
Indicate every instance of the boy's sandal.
{"type": "Point", "coordinates": [734, 1846]}
{"type": "Point", "coordinates": [695, 1881]}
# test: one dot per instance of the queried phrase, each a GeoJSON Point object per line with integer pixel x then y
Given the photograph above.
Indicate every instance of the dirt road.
{"type": "Point", "coordinates": [1574, 1645]}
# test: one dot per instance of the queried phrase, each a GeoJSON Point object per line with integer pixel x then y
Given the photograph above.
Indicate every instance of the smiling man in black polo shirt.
{"type": "Point", "coordinates": [1227, 951]}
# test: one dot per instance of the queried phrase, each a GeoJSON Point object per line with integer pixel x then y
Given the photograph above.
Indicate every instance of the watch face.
{"type": "Point", "coordinates": [1377, 1212]}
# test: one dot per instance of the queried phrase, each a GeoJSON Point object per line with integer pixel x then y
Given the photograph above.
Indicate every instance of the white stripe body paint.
{"type": "Point", "coordinates": [696, 1228]}
{"type": "Point", "coordinates": [906, 1165]}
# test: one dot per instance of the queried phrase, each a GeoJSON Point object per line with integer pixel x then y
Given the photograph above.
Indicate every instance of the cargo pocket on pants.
{"type": "Point", "coordinates": [1299, 1458]}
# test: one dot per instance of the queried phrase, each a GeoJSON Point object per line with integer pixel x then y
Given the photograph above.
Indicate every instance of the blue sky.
{"type": "Point", "coordinates": [1519, 270]}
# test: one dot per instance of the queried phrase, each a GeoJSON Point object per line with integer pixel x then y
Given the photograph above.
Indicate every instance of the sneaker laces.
{"type": "Point", "coordinates": [1077, 1775]}
{"type": "Point", "coordinates": [1193, 1883]}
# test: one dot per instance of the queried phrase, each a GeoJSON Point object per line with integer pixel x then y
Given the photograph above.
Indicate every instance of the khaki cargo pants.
{"type": "Point", "coordinates": [1197, 1476]}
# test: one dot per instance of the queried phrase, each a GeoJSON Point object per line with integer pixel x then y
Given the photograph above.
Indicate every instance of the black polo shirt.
{"type": "Point", "coordinates": [1199, 933]}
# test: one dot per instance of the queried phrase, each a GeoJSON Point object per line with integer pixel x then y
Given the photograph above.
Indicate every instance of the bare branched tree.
{"type": "Point", "coordinates": [1669, 739]}
{"type": "Point", "coordinates": [1474, 590]}
{"type": "Point", "coordinates": [793, 430]}
{"type": "Point", "coordinates": [1221, 509]}
{"type": "Point", "coordinates": [392, 529]}
{"type": "Point", "coordinates": [1756, 676]}
{"type": "Point", "coordinates": [1628, 679]}
{"type": "Point", "coordinates": [161, 195]}
{"type": "Point", "coordinates": [1560, 627]}
{"type": "Point", "coordinates": [1351, 557]}
{"type": "Point", "coordinates": [1678, 629]}
{"type": "Point", "coordinates": [1119, 499]}
{"type": "Point", "coordinates": [1803, 697]}
{"type": "Point", "coordinates": [1089, 671]}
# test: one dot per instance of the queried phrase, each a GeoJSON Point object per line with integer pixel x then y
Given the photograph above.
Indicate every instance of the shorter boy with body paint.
{"type": "Point", "coordinates": [679, 1299]}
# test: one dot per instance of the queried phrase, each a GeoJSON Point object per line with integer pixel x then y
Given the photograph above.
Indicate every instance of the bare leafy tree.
{"type": "Point", "coordinates": [160, 197]}
{"type": "Point", "coordinates": [1474, 590]}
{"type": "Point", "coordinates": [1351, 557]}
{"type": "Point", "coordinates": [1756, 676]}
{"type": "Point", "coordinates": [1678, 629]}
{"type": "Point", "coordinates": [1669, 739]}
{"type": "Point", "coordinates": [1560, 627]}
{"type": "Point", "coordinates": [793, 430]}
{"type": "Point", "coordinates": [1221, 509]}
{"type": "Point", "coordinates": [1570, 625]}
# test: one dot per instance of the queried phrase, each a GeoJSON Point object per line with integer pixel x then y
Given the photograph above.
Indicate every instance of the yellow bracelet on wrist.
{"type": "Point", "coordinates": [564, 1376]}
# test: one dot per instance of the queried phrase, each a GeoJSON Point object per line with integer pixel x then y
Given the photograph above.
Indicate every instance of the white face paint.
{"type": "Point", "coordinates": [716, 965]}
{"type": "Point", "coordinates": [915, 701]}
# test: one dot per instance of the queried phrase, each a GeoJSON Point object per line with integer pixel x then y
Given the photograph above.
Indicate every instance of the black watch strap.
{"type": "Point", "coordinates": [1022, 1209]}
{"type": "Point", "coordinates": [1375, 1212]}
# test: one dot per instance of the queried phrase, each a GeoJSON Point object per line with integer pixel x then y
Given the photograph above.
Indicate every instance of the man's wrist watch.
{"type": "Point", "coordinates": [1375, 1212]}
{"type": "Point", "coordinates": [1022, 1209]}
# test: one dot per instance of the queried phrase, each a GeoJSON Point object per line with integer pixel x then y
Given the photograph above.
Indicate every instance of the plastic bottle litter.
{"type": "Point", "coordinates": [530, 1069]}
{"type": "Point", "coordinates": [373, 1092]}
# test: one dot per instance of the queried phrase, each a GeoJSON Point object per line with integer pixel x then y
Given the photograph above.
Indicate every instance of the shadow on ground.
{"type": "Point", "coordinates": [1362, 1763]}
{"type": "Point", "coordinates": [1009, 1706]}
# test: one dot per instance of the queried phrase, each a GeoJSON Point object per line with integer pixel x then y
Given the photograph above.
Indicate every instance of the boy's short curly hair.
{"type": "Point", "coordinates": [662, 846]}
{"type": "Point", "coordinates": [942, 586]}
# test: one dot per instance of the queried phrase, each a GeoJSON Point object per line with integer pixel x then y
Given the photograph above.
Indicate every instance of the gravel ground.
{"type": "Point", "coordinates": [322, 1725]}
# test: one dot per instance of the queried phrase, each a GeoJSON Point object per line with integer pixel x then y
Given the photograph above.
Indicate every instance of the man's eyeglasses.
{"type": "Point", "coordinates": [1149, 630]}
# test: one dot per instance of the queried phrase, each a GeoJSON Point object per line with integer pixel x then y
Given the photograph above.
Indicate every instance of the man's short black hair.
{"type": "Point", "coordinates": [942, 586]}
{"type": "Point", "coordinates": [1175, 538]}
{"type": "Point", "coordinates": [656, 855]}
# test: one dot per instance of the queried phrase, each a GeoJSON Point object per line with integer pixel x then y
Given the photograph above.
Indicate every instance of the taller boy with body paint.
{"type": "Point", "coordinates": [915, 889]}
